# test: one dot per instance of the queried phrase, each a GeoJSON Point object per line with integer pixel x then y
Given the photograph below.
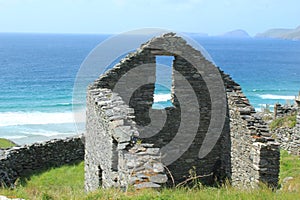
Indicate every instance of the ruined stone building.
{"type": "Point", "coordinates": [288, 136]}
{"type": "Point", "coordinates": [298, 114]}
{"type": "Point", "coordinates": [210, 130]}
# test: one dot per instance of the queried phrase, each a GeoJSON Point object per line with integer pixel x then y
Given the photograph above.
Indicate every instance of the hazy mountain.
{"type": "Point", "coordinates": [292, 34]}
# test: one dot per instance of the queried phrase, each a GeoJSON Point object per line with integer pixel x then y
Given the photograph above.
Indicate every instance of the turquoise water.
{"type": "Point", "coordinates": [38, 73]}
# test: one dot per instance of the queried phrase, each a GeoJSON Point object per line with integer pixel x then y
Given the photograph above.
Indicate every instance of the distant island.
{"type": "Point", "coordinates": [239, 33]}
{"type": "Point", "coordinates": [281, 33]}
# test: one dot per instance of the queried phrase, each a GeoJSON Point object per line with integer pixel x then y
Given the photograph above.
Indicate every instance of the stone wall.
{"type": "Point", "coordinates": [254, 154]}
{"type": "Point", "coordinates": [297, 100]}
{"type": "Point", "coordinates": [289, 139]}
{"type": "Point", "coordinates": [113, 156]}
{"type": "Point", "coordinates": [244, 152]}
{"type": "Point", "coordinates": [26, 160]}
{"type": "Point", "coordinates": [297, 128]}
{"type": "Point", "coordinates": [284, 110]}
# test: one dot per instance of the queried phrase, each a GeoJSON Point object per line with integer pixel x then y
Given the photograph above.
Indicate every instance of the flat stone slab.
{"type": "Point", "coordinates": [146, 185]}
{"type": "Point", "coordinates": [159, 178]}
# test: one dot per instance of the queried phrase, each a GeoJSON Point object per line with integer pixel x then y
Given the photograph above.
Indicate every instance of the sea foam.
{"type": "Point", "coordinates": [46, 133]}
{"type": "Point", "coordinates": [276, 97]}
{"type": "Point", "coordinates": [33, 118]}
{"type": "Point", "coordinates": [162, 97]}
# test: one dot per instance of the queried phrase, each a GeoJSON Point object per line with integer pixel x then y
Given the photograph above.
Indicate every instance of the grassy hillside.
{"type": "Point", "coordinates": [4, 143]}
{"type": "Point", "coordinates": [67, 182]}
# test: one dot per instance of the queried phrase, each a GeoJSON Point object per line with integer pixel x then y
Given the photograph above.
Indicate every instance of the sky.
{"type": "Point", "coordinates": [115, 16]}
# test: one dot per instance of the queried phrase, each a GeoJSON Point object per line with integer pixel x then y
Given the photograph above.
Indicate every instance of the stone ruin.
{"type": "Point", "coordinates": [297, 100]}
{"type": "Point", "coordinates": [119, 153]}
{"type": "Point", "coordinates": [288, 137]}
{"type": "Point", "coordinates": [284, 110]}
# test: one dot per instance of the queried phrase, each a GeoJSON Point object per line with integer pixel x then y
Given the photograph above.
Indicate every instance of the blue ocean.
{"type": "Point", "coordinates": [38, 73]}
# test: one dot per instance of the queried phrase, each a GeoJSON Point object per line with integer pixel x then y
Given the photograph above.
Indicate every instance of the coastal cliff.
{"type": "Point", "coordinates": [281, 33]}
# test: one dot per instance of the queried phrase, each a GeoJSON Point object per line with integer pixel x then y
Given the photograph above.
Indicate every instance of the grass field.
{"type": "Point", "coordinates": [67, 182]}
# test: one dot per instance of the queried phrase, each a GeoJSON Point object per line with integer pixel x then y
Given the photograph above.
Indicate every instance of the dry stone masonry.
{"type": "Point", "coordinates": [113, 157]}
{"type": "Point", "coordinates": [26, 160]}
{"type": "Point", "coordinates": [298, 114]}
{"type": "Point", "coordinates": [289, 138]}
{"type": "Point", "coordinates": [284, 110]}
{"type": "Point", "coordinates": [117, 153]}
{"type": "Point", "coordinates": [254, 154]}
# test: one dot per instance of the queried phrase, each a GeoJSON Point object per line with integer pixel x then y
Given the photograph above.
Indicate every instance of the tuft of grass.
{"type": "Point", "coordinates": [5, 143]}
{"type": "Point", "coordinates": [290, 167]}
{"type": "Point", "coordinates": [285, 122]}
{"type": "Point", "coordinates": [67, 182]}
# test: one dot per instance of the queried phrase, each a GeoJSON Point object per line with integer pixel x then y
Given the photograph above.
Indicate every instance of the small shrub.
{"type": "Point", "coordinates": [139, 142]}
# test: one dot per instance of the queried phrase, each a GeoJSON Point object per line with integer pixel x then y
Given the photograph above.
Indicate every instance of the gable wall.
{"type": "Point", "coordinates": [244, 152]}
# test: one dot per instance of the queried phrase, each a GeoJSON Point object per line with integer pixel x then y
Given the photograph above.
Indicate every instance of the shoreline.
{"type": "Point", "coordinates": [267, 112]}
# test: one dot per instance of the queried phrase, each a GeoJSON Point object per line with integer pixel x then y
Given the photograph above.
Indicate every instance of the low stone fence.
{"type": "Point", "coordinates": [25, 160]}
{"type": "Point", "coordinates": [289, 139]}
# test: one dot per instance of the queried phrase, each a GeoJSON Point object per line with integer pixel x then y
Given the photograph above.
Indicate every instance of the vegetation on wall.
{"type": "Point", "coordinates": [283, 122]}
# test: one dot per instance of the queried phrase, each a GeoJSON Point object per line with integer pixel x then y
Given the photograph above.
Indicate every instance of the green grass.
{"type": "Point", "coordinates": [4, 143]}
{"type": "Point", "coordinates": [67, 182]}
{"type": "Point", "coordinates": [286, 122]}
{"type": "Point", "coordinates": [290, 167]}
